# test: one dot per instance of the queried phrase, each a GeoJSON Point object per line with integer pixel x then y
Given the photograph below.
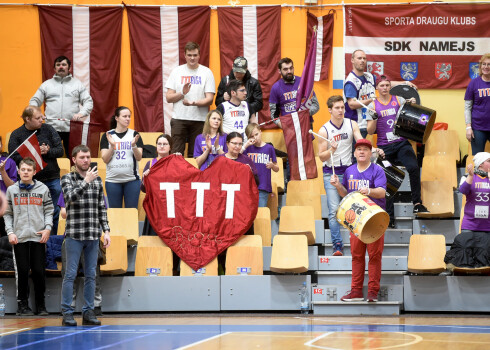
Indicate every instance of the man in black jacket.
{"type": "Point", "coordinates": [51, 149]}
{"type": "Point", "coordinates": [240, 72]}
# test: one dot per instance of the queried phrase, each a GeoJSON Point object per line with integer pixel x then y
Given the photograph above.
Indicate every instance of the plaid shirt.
{"type": "Point", "coordinates": [85, 207]}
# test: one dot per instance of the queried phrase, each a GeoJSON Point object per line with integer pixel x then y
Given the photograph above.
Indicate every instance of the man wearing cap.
{"type": "Point", "coordinates": [359, 87]}
{"type": "Point", "coordinates": [190, 87]}
{"type": "Point", "coordinates": [240, 72]}
{"type": "Point", "coordinates": [282, 100]}
{"type": "Point", "coordinates": [370, 180]}
{"type": "Point", "coordinates": [396, 148]}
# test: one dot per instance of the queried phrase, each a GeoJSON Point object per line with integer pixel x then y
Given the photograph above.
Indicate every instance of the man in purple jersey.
{"type": "Point", "coordinates": [282, 99]}
{"type": "Point", "coordinates": [370, 180]}
{"type": "Point", "coordinates": [397, 149]}
{"type": "Point", "coordinates": [360, 86]}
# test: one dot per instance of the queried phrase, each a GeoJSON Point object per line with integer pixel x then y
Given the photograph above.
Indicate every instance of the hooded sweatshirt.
{"type": "Point", "coordinates": [28, 211]}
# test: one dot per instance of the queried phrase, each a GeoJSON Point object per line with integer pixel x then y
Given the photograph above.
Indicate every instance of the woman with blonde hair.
{"type": "Point", "coordinates": [212, 141]}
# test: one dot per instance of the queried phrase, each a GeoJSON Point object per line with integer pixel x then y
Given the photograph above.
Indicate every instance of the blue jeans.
{"type": "Point", "coordinates": [130, 191]}
{"type": "Point", "coordinates": [55, 191]}
{"type": "Point", "coordinates": [479, 141]}
{"type": "Point", "coordinates": [333, 200]}
{"type": "Point", "coordinates": [263, 198]}
{"type": "Point", "coordinates": [74, 250]}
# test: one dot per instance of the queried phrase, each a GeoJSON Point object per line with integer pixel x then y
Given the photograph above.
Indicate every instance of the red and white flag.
{"type": "Point", "coordinates": [85, 133]}
{"type": "Point", "coordinates": [301, 155]}
{"type": "Point", "coordinates": [91, 38]}
{"type": "Point", "coordinates": [158, 36]}
{"type": "Point", "coordinates": [324, 43]}
{"type": "Point", "coordinates": [253, 32]}
{"type": "Point", "coordinates": [30, 148]}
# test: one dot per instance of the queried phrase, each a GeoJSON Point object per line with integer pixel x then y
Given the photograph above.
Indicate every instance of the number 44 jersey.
{"type": "Point", "coordinates": [235, 118]}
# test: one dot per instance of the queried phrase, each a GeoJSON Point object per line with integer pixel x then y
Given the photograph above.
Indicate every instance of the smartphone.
{"type": "Point", "coordinates": [93, 165]}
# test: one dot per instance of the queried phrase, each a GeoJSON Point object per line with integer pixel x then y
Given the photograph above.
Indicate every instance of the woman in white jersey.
{"type": "Point", "coordinates": [121, 149]}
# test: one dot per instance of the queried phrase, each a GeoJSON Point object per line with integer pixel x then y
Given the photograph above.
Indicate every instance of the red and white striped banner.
{"type": "Point", "coordinates": [91, 38]}
{"type": "Point", "coordinates": [158, 36]}
{"type": "Point", "coordinates": [299, 144]}
{"type": "Point", "coordinates": [324, 43]}
{"type": "Point", "coordinates": [432, 45]}
{"type": "Point", "coordinates": [255, 33]}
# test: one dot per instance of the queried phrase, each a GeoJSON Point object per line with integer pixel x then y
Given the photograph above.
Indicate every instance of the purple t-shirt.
{"type": "Point", "coordinates": [386, 121]}
{"type": "Point", "coordinates": [284, 95]}
{"type": "Point", "coordinates": [372, 177]}
{"type": "Point", "coordinates": [478, 91]}
{"type": "Point", "coordinates": [11, 169]}
{"type": "Point", "coordinates": [261, 156]}
{"type": "Point", "coordinates": [477, 204]}
{"type": "Point", "coordinates": [200, 146]}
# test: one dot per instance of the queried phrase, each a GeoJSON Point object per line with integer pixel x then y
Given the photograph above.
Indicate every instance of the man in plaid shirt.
{"type": "Point", "coordinates": [86, 216]}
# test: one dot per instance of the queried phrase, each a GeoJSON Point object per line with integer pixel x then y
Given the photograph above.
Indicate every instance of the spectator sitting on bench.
{"type": "Point", "coordinates": [471, 247]}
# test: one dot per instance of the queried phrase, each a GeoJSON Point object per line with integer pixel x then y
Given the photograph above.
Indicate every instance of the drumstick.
{"type": "Point", "coordinates": [331, 154]}
{"type": "Point", "coordinates": [362, 104]}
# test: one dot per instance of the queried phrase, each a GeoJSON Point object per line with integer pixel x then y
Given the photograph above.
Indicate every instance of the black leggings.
{"type": "Point", "coordinates": [30, 256]}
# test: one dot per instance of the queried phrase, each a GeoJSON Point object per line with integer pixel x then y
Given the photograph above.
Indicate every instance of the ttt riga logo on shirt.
{"type": "Point", "coordinates": [355, 184]}
{"type": "Point", "coordinates": [259, 158]}
{"type": "Point", "coordinates": [193, 79]}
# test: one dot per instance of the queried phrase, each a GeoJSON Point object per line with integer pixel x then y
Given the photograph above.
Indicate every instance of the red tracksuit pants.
{"type": "Point", "coordinates": [358, 252]}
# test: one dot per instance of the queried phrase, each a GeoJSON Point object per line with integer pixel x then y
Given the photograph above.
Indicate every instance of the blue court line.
{"type": "Point", "coordinates": [124, 341]}
{"type": "Point", "coordinates": [45, 340]}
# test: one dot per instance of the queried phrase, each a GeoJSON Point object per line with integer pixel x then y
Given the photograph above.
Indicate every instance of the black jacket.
{"type": "Point", "coordinates": [254, 91]}
{"type": "Point", "coordinates": [470, 249]}
{"type": "Point", "coordinates": [46, 134]}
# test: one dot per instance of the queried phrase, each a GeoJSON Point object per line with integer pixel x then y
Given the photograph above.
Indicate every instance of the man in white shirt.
{"type": "Point", "coordinates": [190, 87]}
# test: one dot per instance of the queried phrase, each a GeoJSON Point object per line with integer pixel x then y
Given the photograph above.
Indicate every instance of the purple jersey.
{"type": "Point", "coordinates": [478, 91]}
{"type": "Point", "coordinates": [200, 146]}
{"type": "Point", "coordinates": [11, 170]}
{"type": "Point", "coordinates": [372, 177]}
{"type": "Point", "coordinates": [284, 95]}
{"type": "Point", "coordinates": [477, 204]}
{"type": "Point", "coordinates": [261, 156]}
{"type": "Point", "coordinates": [386, 121]}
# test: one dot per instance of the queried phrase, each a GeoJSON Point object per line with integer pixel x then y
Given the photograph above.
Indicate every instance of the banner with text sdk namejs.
{"type": "Point", "coordinates": [434, 46]}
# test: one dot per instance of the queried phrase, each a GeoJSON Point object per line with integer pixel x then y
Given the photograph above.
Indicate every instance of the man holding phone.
{"type": "Point", "coordinates": [86, 214]}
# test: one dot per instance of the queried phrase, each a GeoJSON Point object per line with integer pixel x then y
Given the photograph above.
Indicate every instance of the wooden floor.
{"type": "Point", "coordinates": [251, 331]}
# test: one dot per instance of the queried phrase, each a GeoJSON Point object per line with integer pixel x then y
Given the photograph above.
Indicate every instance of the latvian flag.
{"type": "Point", "coordinates": [324, 43]}
{"type": "Point", "coordinates": [30, 148]}
{"type": "Point", "coordinates": [158, 36]}
{"type": "Point", "coordinates": [254, 33]}
{"type": "Point", "coordinates": [301, 156]}
{"type": "Point", "coordinates": [91, 38]}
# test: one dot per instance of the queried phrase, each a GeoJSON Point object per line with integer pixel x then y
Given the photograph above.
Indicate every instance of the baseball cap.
{"type": "Point", "coordinates": [363, 142]}
{"type": "Point", "coordinates": [382, 78]}
{"type": "Point", "coordinates": [240, 65]}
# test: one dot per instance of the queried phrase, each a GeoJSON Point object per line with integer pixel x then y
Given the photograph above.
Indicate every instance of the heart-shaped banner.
{"type": "Point", "coordinates": [198, 214]}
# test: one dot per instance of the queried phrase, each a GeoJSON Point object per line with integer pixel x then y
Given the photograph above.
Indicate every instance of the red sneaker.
{"type": "Point", "coordinates": [372, 297]}
{"type": "Point", "coordinates": [338, 253]}
{"type": "Point", "coordinates": [353, 295]}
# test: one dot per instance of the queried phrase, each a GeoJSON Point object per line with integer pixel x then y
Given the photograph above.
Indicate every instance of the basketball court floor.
{"type": "Point", "coordinates": [250, 331]}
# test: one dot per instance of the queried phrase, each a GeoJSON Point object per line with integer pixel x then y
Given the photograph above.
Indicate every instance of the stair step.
{"type": "Point", "coordinates": [392, 263]}
{"type": "Point", "coordinates": [356, 308]}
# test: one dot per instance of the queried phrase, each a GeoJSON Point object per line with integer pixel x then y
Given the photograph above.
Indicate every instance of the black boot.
{"type": "Point", "coordinates": [41, 310]}
{"type": "Point", "coordinates": [68, 320]}
{"type": "Point", "coordinates": [23, 308]}
{"type": "Point", "coordinates": [89, 319]}
{"type": "Point", "coordinates": [98, 311]}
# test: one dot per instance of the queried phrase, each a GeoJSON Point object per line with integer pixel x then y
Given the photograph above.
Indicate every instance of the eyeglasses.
{"type": "Point", "coordinates": [242, 90]}
{"type": "Point", "coordinates": [237, 143]}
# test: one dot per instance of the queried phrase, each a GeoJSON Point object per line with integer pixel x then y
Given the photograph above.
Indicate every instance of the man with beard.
{"type": "Point", "coordinates": [240, 72]}
{"type": "Point", "coordinates": [86, 215]}
{"type": "Point", "coordinates": [66, 99]}
{"type": "Point", "coordinates": [282, 100]}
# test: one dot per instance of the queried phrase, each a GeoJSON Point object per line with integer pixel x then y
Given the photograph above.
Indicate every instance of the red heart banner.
{"type": "Point", "coordinates": [198, 214]}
